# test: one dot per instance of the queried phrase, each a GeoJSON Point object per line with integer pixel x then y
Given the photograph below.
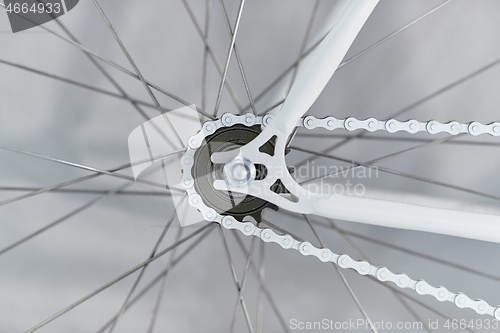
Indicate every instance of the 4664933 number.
{"type": "Point", "coordinates": [24, 8]}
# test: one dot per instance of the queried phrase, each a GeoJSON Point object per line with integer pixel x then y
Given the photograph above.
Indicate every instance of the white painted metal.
{"type": "Point", "coordinates": [323, 63]}
{"type": "Point", "coordinates": [407, 216]}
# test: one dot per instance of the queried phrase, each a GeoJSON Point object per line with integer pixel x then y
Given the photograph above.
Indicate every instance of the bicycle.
{"type": "Point", "coordinates": [299, 229]}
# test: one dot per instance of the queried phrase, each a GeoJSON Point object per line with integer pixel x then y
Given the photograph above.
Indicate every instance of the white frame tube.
{"type": "Point", "coordinates": [323, 63]}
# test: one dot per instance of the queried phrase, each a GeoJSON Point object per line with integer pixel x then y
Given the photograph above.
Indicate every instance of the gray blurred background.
{"type": "Point", "coordinates": [85, 251]}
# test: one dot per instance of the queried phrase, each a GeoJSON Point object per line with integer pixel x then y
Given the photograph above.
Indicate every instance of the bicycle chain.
{"type": "Point", "coordinates": [324, 254]}
{"type": "Point", "coordinates": [411, 126]}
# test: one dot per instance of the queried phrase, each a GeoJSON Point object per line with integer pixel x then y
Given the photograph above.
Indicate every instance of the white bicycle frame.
{"type": "Point", "coordinates": [305, 91]}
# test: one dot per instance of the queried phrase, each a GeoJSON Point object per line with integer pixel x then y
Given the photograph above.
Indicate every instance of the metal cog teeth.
{"type": "Point", "coordinates": [191, 182]}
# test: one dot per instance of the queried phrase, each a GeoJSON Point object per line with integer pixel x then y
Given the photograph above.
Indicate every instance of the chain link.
{"type": "Point", "coordinates": [324, 254]}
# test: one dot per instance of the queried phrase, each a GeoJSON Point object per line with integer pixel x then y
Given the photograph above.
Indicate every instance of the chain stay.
{"type": "Point", "coordinates": [324, 254]}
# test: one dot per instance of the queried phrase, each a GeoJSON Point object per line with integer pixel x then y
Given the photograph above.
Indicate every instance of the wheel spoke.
{"type": "Point", "coordinates": [204, 79]}
{"type": "Point", "coordinates": [405, 250]}
{"type": "Point", "coordinates": [78, 180]}
{"type": "Point", "coordinates": [242, 288]}
{"type": "Point", "coordinates": [236, 282]}
{"type": "Point", "coordinates": [348, 61]}
{"type": "Point", "coordinates": [238, 59]}
{"type": "Point", "coordinates": [402, 174]}
{"type": "Point", "coordinates": [141, 273]}
{"type": "Point", "coordinates": [274, 83]}
{"type": "Point", "coordinates": [296, 69]}
{"type": "Point", "coordinates": [343, 278]}
{"type": "Point", "coordinates": [159, 277]}
{"type": "Point", "coordinates": [117, 279]}
{"type": "Point", "coordinates": [228, 58]}
{"type": "Point", "coordinates": [275, 105]}
{"type": "Point", "coordinates": [378, 159]}
{"type": "Point", "coordinates": [361, 255]}
{"type": "Point", "coordinates": [283, 231]}
{"type": "Point", "coordinates": [83, 85]}
{"type": "Point", "coordinates": [396, 139]}
{"type": "Point", "coordinates": [83, 191]}
{"type": "Point", "coordinates": [269, 298]}
{"type": "Point", "coordinates": [386, 38]}
{"type": "Point", "coordinates": [163, 285]}
{"type": "Point", "coordinates": [351, 244]}
{"type": "Point", "coordinates": [85, 167]}
{"type": "Point", "coordinates": [138, 73]}
{"type": "Point", "coordinates": [413, 313]}
{"type": "Point", "coordinates": [418, 102]}
{"type": "Point", "coordinates": [213, 57]}
{"type": "Point", "coordinates": [450, 86]}
{"type": "Point", "coordinates": [416, 301]}
{"type": "Point", "coordinates": [66, 217]}
{"type": "Point", "coordinates": [122, 69]}
{"type": "Point", "coordinates": [107, 76]}
{"type": "Point", "coordinates": [260, 296]}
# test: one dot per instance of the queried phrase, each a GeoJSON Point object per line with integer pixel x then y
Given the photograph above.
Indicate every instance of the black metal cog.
{"type": "Point", "coordinates": [205, 172]}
